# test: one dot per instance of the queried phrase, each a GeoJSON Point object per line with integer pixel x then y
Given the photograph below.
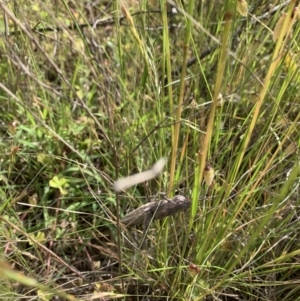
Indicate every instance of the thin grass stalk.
{"type": "Point", "coordinates": [210, 125]}
{"type": "Point", "coordinates": [166, 61]}
{"type": "Point", "coordinates": [290, 181]}
{"type": "Point", "coordinates": [202, 156]}
{"type": "Point", "coordinates": [268, 166]}
{"type": "Point", "coordinates": [178, 116]}
{"type": "Point", "coordinates": [82, 36]}
{"type": "Point", "coordinates": [115, 156]}
{"type": "Point", "coordinates": [276, 58]}
{"type": "Point", "coordinates": [273, 66]}
{"type": "Point", "coordinates": [140, 43]}
{"type": "Point", "coordinates": [182, 156]}
{"type": "Point", "coordinates": [181, 95]}
{"type": "Point", "coordinates": [41, 246]}
{"type": "Point", "coordinates": [46, 291]}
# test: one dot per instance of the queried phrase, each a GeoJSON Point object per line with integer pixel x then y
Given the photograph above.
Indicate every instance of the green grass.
{"type": "Point", "coordinates": [82, 106]}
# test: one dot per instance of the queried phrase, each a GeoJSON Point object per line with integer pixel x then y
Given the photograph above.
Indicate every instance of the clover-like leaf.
{"type": "Point", "coordinates": [60, 183]}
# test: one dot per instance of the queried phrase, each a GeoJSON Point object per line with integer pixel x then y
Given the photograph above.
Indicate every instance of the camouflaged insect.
{"type": "Point", "coordinates": [156, 210]}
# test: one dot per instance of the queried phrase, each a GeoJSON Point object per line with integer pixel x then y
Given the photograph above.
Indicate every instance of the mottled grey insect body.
{"type": "Point", "coordinates": [156, 210]}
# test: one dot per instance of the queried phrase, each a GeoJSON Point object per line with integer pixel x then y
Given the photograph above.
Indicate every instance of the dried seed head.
{"type": "Point", "coordinates": [220, 100]}
{"type": "Point", "coordinates": [208, 175]}
{"type": "Point", "coordinates": [194, 270]}
{"type": "Point", "coordinates": [242, 7]}
{"type": "Point", "coordinates": [129, 3]}
{"type": "Point", "coordinates": [296, 13]}
{"type": "Point", "coordinates": [289, 28]}
{"type": "Point", "coordinates": [192, 266]}
{"type": "Point", "coordinates": [278, 27]}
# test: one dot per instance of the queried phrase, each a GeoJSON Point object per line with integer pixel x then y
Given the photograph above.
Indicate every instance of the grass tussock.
{"type": "Point", "coordinates": [95, 91]}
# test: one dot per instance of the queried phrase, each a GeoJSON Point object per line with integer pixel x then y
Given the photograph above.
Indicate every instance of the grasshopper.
{"type": "Point", "coordinates": [156, 210]}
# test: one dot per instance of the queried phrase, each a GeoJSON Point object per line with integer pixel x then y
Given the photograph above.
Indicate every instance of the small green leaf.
{"type": "Point", "coordinates": [60, 183]}
{"type": "Point", "coordinates": [40, 237]}
{"type": "Point", "coordinates": [54, 182]}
